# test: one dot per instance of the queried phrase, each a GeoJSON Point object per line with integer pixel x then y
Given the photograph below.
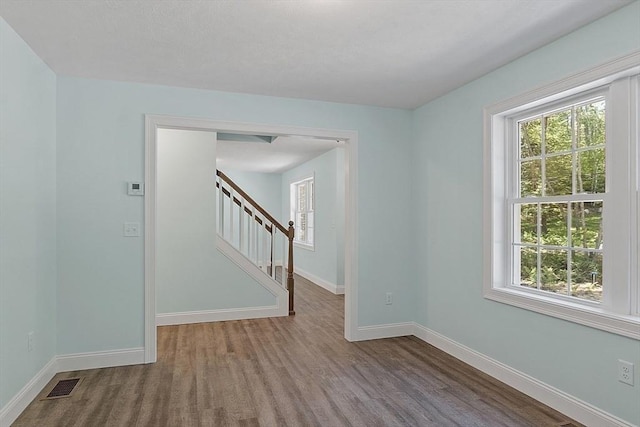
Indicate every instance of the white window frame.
{"type": "Point", "coordinates": [310, 211]}
{"type": "Point", "coordinates": [618, 312]}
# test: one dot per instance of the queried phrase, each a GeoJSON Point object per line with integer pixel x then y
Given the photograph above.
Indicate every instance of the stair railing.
{"type": "Point", "coordinates": [255, 233]}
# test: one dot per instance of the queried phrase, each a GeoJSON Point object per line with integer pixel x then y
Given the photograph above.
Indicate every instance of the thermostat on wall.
{"type": "Point", "coordinates": [135, 188]}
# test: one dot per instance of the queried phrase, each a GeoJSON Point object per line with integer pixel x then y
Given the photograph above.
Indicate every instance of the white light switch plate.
{"type": "Point", "coordinates": [131, 229]}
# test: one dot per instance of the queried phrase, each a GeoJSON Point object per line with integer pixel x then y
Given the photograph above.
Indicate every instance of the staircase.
{"type": "Point", "coordinates": [247, 228]}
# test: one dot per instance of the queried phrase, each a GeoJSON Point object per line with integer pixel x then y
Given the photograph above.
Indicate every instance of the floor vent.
{"type": "Point", "coordinates": [64, 388]}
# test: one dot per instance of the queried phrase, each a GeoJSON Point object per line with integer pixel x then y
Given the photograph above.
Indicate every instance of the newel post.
{"type": "Point", "coordinates": [290, 269]}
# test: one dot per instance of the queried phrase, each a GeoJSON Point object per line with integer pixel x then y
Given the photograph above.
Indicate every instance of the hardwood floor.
{"type": "Point", "coordinates": [295, 371]}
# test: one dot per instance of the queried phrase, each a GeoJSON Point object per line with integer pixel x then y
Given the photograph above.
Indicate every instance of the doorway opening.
{"type": "Point", "coordinates": [348, 146]}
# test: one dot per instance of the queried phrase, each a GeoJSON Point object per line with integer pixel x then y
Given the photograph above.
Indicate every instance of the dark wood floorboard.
{"type": "Point", "coordinates": [290, 371]}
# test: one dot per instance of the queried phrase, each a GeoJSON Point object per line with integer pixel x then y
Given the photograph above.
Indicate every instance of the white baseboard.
{"type": "Point", "coordinates": [165, 319]}
{"type": "Point", "coordinates": [389, 330]}
{"type": "Point", "coordinates": [557, 399]}
{"type": "Point", "coordinates": [23, 398]}
{"type": "Point", "coordinates": [100, 359]}
{"type": "Point", "coordinates": [331, 287]}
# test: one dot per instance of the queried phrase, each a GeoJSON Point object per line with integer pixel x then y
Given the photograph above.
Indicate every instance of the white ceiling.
{"type": "Point", "coordinates": [395, 53]}
{"type": "Point", "coordinates": [283, 154]}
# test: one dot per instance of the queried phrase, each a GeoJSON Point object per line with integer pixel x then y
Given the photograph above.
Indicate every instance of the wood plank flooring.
{"type": "Point", "coordinates": [294, 371]}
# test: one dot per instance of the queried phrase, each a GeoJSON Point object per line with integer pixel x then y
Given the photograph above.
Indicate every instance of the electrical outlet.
{"type": "Point", "coordinates": [625, 372]}
{"type": "Point", "coordinates": [131, 229]}
{"type": "Point", "coordinates": [30, 341]}
{"type": "Point", "coordinates": [389, 298]}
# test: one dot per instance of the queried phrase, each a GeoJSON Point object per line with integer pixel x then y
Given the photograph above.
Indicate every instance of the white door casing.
{"type": "Point", "coordinates": [153, 122]}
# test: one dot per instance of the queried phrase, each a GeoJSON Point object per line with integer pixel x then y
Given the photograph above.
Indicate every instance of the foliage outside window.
{"type": "Point", "coordinates": [302, 211]}
{"type": "Point", "coordinates": [558, 243]}
{"type": "Point", "coordinates": [561, 199]}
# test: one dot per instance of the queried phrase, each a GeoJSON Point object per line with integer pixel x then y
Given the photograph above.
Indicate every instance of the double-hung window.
{"type": "Point", "coordinates": [302, 211]}
{"type": "Point", "coordinates": [561, 199]}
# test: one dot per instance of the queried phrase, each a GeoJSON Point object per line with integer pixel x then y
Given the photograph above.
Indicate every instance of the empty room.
{"type": "Point", "coordinates": [320, 213]}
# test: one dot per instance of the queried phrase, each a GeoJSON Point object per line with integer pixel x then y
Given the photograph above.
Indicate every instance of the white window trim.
{"type": "Point", "coordinates": [303, 245]}
{"type": "Point", "coordinates": [496, 244]}
{"type": "Point", "coordinates": [292, 203]}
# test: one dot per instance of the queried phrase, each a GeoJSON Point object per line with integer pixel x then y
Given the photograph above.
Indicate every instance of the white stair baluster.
{"type": "Point", "coordinates": [272, 257]}
{"type": "Point", "coordinates": [258, 245]}
{"type": "Point", "coordinates": [250, 230]}
{"type": "Point", "coordinates": [257, 239]}
{"type": "Point", "coordinates": [264, 245]}
{"type": "Point", "coordinates": [241, 224]}
{"type": "Point", "coordinates": [231, 222]}
{"type": "Point", "coordinates": [221, 208]}
{"type": "Point", "coordinates": [283, 279]}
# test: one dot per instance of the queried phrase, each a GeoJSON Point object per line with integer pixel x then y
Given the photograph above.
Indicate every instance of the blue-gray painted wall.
{"type": "Point", "coordinates": [27, 213]}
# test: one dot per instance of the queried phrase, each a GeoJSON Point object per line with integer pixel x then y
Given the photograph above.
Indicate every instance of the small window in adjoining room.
{"type": "Point", "coordinates": [302, 211]}
{"type": "Point", "coordinates": [562, 200]}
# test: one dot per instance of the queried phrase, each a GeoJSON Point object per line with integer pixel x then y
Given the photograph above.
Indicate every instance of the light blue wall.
{"type": "Point", "coordinates": [27, 213]}
{"type": "Point", "coordinates": [447, 165]}
{"type": "Point", "coordinates": [323, 260]}
{"type": "Point", "coordinates": [101, 146]}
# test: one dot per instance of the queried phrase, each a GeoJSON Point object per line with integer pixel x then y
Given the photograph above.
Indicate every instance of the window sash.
{"type": "Point", "coordinates": [513, 200]}
{"type": "Point", "coordinates": [302, 210]}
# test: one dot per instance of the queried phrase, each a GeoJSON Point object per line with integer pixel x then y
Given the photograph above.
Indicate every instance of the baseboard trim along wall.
{"type": "Point", "coordinates": [64, 363]}
{"type": "Point", "coordinates": [389, 330]}
{"type": "Point", "coordinates": [331, 287]}
{"type": "Point", "coordinates": [557, 399]}
{"type": "Point", "coordinates": [100, 359]}
{"type": "Point", "coordinates": [166, 319]}
{"type": "Point", "coordinates": [21, 400]}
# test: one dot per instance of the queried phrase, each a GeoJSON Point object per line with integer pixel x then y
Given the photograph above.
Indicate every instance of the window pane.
{"type": "Point", "coordinates": [586, 225]}
{"type": "Point", "coordinates": [530, 138]}
{"type": "Point", "coordinates": [553, 271]}
{"type": "Point", "coordinates": [301, 227]}
{"type": "Point", "coordinates": [557, 132]}
{"type": "Point", "coordinates": [528, 223]}
{"type": "Point", "coordinates": [558, 178]}
{"type": "Point", "coordinates": [302, 197]}
{"type": "Point", "coordinates": [586, 275]}
{"type": "Point", "coordinates": [530, 178]}
{"type": "Point", "coordinates": [303, 221]}
{"type": "Point", "coordinates": [528, 267]}
{"type": "Point", "coordinates": [591, 124]}
{"type": "Point", "coordinates": [553, 224]}
{"type": "Point", "coordinates": [590, 171]}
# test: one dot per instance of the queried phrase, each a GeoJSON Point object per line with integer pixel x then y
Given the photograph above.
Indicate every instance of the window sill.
{"type": "Point", "coordinates": [304, 246]}
{"type": "Point", "coordinates": [595, 317]}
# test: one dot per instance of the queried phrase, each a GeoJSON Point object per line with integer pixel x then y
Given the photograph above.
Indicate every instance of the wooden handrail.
{"type": "Point", "coordinates": [289, 232]}
{"type": "Point", "coordinates": [248, 198]}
